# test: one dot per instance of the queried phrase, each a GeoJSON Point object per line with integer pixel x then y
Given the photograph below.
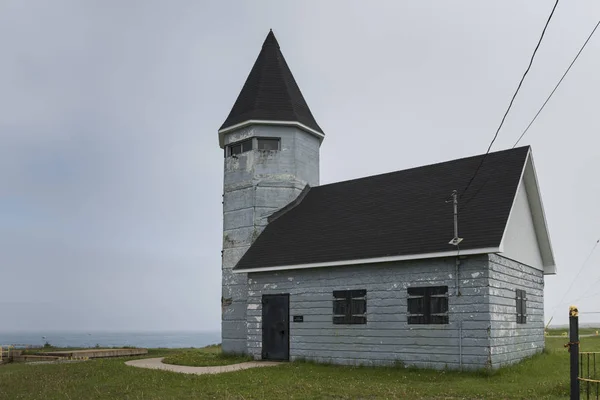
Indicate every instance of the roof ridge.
{"type": "Point", "coordinates": [287, 87]}
{"type": "Point", "coordinates": [423, 166]}
{"type": "Point", "coordinates": [262, 69]}
{"type": "Point", "coordinates": [290, 205]}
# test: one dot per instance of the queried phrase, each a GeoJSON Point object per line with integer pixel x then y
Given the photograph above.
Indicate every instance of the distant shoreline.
{"type": "Point", "coordinates": [112, 339]}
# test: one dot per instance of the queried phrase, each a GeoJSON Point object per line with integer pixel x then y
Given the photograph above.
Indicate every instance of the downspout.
{"type": "Point", "coordinates": [460, 344]}
{"type": "Point", "coordinates": [254, 212]}
{"type": "Point", "coordinates": [457, 279]}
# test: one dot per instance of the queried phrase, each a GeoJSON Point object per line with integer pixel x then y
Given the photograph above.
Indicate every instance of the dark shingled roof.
{"type": "Point", "coordinates": [394, 214]}
{"type": "Point", "coordinates": [271, 92]}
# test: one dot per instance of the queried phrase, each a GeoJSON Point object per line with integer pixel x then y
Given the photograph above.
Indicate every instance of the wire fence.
{"type": "Point", "coordinates": [5, 353]}
{"type": "Point", "coordinates": [589, 372]}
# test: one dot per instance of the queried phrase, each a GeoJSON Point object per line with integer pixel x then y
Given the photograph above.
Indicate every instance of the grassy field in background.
{"type": "Point", "coordinates": [544, 376]}
{"type": "Point", "coordinates": [565, 331]}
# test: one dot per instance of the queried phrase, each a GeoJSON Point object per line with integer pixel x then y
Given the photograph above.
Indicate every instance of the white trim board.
{"type": "Point", "coordinates": [296, 124]}
{"type": "Point", "coordinates": [452, 253]}
{"type": "Point", "coordinates": [530, 181]}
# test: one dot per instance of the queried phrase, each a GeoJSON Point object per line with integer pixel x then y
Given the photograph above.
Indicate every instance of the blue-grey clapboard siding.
{"type": "Point", "coordinates": [511, 342]}
{"type": "Point", "coordinates": [486, 309]}
{"type": "Point", "coordinates": [386, 338]}
{"type": "Point", "coordinates": [256, 184]}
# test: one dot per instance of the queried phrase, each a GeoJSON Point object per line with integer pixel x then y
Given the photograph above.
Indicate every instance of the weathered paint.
{"type": "Point", "coordinates": [256, 184]}
{"type": "Point", "coordinates": [481, 310]}
{"type": "Point", "coordinates": [386, 338]}
{"type": "Point", "coordinates": [511, 342]}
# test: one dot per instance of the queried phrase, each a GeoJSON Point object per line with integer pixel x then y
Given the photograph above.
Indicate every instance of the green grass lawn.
{"type": "Point", "coordinates": [542, 377]}
{"type": "Point", "coordinates": [208, 356]}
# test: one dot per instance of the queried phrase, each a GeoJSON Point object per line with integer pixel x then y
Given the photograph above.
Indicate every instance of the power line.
{"type": "Point", "coordinates": [557, 85]}
{"type": "Point", "coordinates": [576, 276]}
{"type": "Point", "coordinates": [513, 98]}
{"type": "Point", "coordinates": [464, 204]}
{"type": "Point", "coordinates": [583, 295]}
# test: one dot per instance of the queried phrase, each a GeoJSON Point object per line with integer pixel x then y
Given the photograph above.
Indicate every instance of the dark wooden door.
{"type": "Point", "coordinates": [276, 327]}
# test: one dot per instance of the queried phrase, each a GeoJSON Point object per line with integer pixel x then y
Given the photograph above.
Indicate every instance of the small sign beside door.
{"type": "Point", "coordinates": [298, 318]}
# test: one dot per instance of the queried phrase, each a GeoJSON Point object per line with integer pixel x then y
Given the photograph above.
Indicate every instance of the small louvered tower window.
{"type": "Point", "coordinates": [268, 143]}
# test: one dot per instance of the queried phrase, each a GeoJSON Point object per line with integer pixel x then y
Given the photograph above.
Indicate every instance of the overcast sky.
{"type": "Point", "coordinates": [111, 173]}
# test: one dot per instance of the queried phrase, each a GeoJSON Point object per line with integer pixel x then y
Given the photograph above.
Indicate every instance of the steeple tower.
{"type": "Point", "coordinates": [271, 143]}
{"type": "Point", "coordinates": [270, 96]}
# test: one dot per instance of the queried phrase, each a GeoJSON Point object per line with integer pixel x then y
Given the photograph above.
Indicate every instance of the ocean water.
{"type": "Point", "coordinates": [112, 339]}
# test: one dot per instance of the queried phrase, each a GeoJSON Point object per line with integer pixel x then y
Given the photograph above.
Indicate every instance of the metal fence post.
{"type": "Point", "coordinates": [574, 351]}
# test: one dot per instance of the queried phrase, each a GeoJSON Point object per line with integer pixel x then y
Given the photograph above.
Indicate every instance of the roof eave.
{"type": "Point", "coordinates": [375, 260]}
{"type": "Point", "coordinates": [224, 131]}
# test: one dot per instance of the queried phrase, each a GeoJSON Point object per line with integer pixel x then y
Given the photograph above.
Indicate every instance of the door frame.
{"type": "Point", "coordinates": [287, 296]}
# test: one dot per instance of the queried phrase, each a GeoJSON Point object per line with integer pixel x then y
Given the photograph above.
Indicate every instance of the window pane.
{"type": "Point", "coordinates": [416, 305]}
{"type": "Point", "coordinates": [235, 149]}
{"type": "Point", "coordinates": [246, 145]}
{"type": "Point", "coordinates": [340, 307]}
{"type": "Point", "coordinates": [268, 144]}
{"type": "Point", "coordinates": [359, 307]}
{"type": "Point", "coordinates": [438, 290]}
{"type": "Point", "coordinates": [438, 305]}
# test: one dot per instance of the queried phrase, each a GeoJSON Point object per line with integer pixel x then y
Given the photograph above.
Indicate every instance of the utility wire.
{"type": "Point", "coordinates": [557, 85]}
{"type": "Point", "coordinates": [583, 297]}
{"type": "Point", "coordinates": [513, 98]}
{"type": "Point", "coordinates": [464, 204]}
{"type": "Point", "coordinates": [592, 286]}
{"type": "Point", "coordinates": [576, 276]}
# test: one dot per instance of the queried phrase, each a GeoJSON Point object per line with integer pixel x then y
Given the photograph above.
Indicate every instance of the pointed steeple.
{"type": "Point", "coordinates": [271, 93]}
